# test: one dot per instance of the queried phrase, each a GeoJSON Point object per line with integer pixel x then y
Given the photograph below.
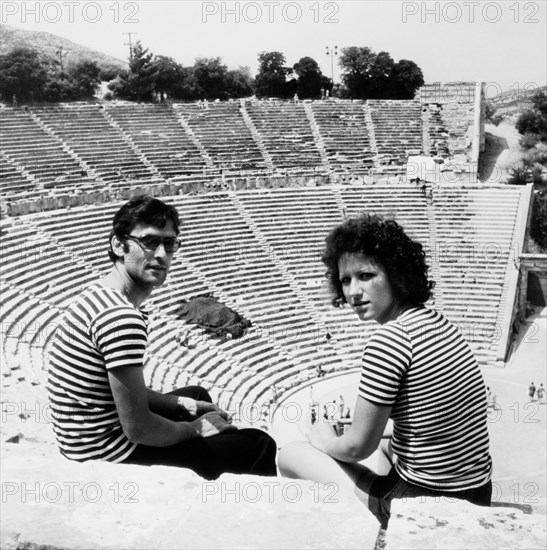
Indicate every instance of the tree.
{"type": "Point", "coordinates": [142, 74]}
{"type": "Point", "coordinates": [139, 83]}
{"type": "Point", "coordinates": [534, 120]}
{"type": "Point", "coordinates": [240, 82]}
{"type": "Point", "coordinates": [211, 77]}
{"type": "Point", "coordinates": [22, 74]}
{"type": "Point", "coordinates": [406, 79]}
{"type": "Point", "coordinates": [356, 64]}
{"type": "Point", "coordinates": [538, 223]}
{"type": "Point", "coordinates": [186, 86]}
{"type": "Point", "coordinates": [367, 75]}
{"type": "Point", "coordinates": [85, 79]}
{"type": "Point", "coordinates": [168, 74]}
{"type": "Point", "coordinates": [381, 76]}
{"type": "Point", "coordinates": [310, 78]}
{"type": "Point", "coordinates": [272, 75]}
{"type": "Point", "coordinates": [109, 72]}
{"type": "Point", "coordinates": [532, 124]}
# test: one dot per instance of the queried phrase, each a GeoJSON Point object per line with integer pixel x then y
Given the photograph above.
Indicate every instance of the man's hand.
{"type": "Point", "coordinates": [212, 423]}
{"type": "Point", "coordinates": [204, 407]}
{"type": "Point", "coordinates": [198, 408]}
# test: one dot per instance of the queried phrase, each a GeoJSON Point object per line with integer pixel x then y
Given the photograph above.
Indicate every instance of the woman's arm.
{"type": "Point", "coordinates": [360, 440]}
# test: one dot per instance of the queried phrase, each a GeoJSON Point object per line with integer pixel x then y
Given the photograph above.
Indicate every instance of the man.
{"type": "Point", "coordinates": [101, 408]}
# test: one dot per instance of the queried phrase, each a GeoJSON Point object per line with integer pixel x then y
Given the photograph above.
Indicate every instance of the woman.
{"type": "Point", "coordinates": [416, 370]}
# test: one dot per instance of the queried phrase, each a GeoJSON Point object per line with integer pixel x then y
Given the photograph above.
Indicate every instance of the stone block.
{"type": "Point", "coordinates": [427, 523]}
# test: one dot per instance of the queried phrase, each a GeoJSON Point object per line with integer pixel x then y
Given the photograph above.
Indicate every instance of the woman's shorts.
{"type": "Point", "coordinates": [385, 488]}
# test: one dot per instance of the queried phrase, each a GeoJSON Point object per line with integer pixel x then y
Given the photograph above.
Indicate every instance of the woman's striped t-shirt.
{"type": "Point", "coordinates": [420, 365]}
{"type": "Point", "coordinates": [101, 330]}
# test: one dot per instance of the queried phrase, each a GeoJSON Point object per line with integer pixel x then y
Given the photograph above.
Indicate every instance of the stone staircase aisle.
{"type": "Point", "coordinates": [257, 137]}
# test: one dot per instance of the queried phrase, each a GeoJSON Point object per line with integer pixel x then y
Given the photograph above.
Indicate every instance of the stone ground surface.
{"type": "Point", "coordinates": [502, 152]}
{"type": "Point", "coordinates": [79, 506]}
{"type": "Point", "coordinates": [48, 502]}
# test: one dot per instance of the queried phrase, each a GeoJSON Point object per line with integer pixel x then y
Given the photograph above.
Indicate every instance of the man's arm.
{"type": "Point", "coordinates": [164, 404]}
{"type": "Point", "coordinates": [180, 408]}
{"type": "Point", "coordinates": [360, 440]}
{"type": "Point", "coordinates": [141, 425]}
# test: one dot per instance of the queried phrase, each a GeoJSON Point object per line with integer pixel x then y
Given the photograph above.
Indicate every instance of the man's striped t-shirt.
{"type": "Point", "coordinates": [420, 365]}
{"type": "Point", "coordinates": [101, 330]}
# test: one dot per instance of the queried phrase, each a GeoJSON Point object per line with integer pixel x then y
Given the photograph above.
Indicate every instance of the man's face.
{"type": "Point", "coordinates": [147, 265]}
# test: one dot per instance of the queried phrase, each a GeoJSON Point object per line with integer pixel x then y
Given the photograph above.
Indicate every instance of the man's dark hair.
{"type": "Point", "coordinates": [386, 243]}
{"type": "Point", "coordinates": [141, 209]}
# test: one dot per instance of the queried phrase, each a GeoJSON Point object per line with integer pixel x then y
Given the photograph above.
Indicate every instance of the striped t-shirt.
{"type": "Point", "coordinates": [101, 330]}
{"type": "Point", "coordinates": [421, 366]}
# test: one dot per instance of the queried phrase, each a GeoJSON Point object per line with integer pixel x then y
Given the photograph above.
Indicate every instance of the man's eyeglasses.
{"type": "Point", "coordinates": [151, 242]}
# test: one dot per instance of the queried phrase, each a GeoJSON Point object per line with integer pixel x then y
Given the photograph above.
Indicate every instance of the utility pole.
{"type": "Point", "coordinates": [60, 52]}
{"type": "Point", "coordinates": [332, 52]}
{"type": "Point", "coordinates": [129, 44]}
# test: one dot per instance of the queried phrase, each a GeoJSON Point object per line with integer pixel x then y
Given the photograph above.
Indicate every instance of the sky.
{"type": "Point", "coordinates": [502, 43]}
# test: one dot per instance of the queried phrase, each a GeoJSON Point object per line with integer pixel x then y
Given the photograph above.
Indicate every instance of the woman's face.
{"type": "Point", "coordinates": [366, 288]}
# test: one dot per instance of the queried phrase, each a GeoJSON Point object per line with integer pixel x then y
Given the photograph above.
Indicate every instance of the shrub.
{"type": "Point", "coordinates": [538, 224]}
{"type": "Point", "coordinates": [519, 175]}
{"type": "Point", "coordinates": [497, 119]}
{"type": "Point", "coordinates": [529, 140]}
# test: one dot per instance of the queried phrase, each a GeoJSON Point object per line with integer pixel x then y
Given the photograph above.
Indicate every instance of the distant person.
{"type": "Point", "coordinates": [491, 399]}
{"type": "Point", "coordinates": [532, 391]}
{"type": "Point", "coordinates": [101, 408]}
{"type": "Point", "coordinates": [411, 362]}
{"type": "Point", "coordinates": [541, 394]}
{"type": "Point", "coordinates": [341, 405]}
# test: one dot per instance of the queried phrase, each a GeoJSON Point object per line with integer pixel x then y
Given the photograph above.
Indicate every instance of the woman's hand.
{"type": "Point", "coordinates": [321, 434]}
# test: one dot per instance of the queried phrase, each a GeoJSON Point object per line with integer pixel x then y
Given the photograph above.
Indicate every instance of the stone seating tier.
{"type": "Point", "coordinates": [226, 138]}
{"type": "Point", "coordinates": [84, 146]}
{"type": "Point", "coordinates": [240, 246]}
{"type": "Point", "coordinates": [28, 147]}
{"type": "Point", "coordinates": [97, 142]}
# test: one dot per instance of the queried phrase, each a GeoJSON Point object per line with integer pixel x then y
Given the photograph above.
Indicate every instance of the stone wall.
{"type": "Point", "coordinates": [55, 202]}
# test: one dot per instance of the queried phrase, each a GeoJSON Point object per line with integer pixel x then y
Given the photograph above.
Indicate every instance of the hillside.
{"type": "Point", "coordinates": [514, 102]}
{"type": "Point", "coordinates": [48, 44]}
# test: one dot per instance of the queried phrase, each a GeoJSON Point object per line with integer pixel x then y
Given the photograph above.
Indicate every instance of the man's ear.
{"type": "Point", "coordinates": [119, 248]}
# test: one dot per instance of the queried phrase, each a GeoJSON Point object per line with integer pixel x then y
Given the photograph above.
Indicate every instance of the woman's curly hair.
{"type": "Point", "coordinates": [389, 246]}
